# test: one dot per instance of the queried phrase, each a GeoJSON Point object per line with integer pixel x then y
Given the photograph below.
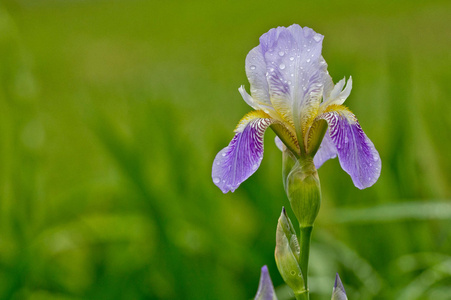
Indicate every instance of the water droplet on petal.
{"type": "Point", "coordinates": [218, 163]}
{"type": "Point", "coordinates": [308, 60]}
{"type": "Point", "coordinates": [253, 67]}
{"type": "Point", "coordinates": [304, 88]}
{"type": "Point", "coordinates": [375, 157]}
{"type": "Point", "coordinates": [292, 58]}
{"type": "Point", "coordinates": [292, 75]}
{"type": "Point", "coordinates": [371, 165]}
{"type": "Point", "coordinates": [308, 50]}
{"type": "Point", "coordinates": [224, 154]}
{"type": "Point", "coordinates": [289, 82]}
{"type": "Point", "coordinates": [216, 179]}
{"type": "Point", "coordinates": [281, 53]}
{"type": "Point", "coordinates": [282, 66]}
{"type": "Point", "coordinates": [255, 167]}
{"type": "Point", "coordinates": [317, 37]}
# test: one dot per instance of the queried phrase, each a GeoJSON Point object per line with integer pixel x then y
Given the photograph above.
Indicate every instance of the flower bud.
{"type": "Point", "coordinates": [287, 254]}
{"type": "Point", "coordinates": [265, 287]}
{"type": "Point", "coordinates": [304, 191]}
{"type": "Point", "coordinates": [338, 292]}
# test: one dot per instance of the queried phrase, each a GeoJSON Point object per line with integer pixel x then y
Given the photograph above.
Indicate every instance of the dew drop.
{"type": "Point", "coordinates": [289, 82]}
{"type": "Point", "coordinates": [292, 75]}
{"type": "Point", "coordinates": [282, 66]}
{"type": "Point", "coordinates": [292, 58]}
{"type": "Point", "coordinates": [317, 37]}
{"type": "Point", "coordinates": [308, 60]}
{"type": "Point", "coordinates": [271, 69]}
{"type": "Point", "coordinates": [371, 165]}
{"type": "Point", "coordinates": [218, 163]}
{"type": "Point", "coordinates": [304, 88]}
{"type": "Point", "coordinates": [369, 178]}
{"type": "Point", "coordinates": [375, 157]}
{"type": "Point", "coordinates": [216, 180]}
{"type": "Point", "coordinates": [253, 67]}
{"type": "Point", "coordinates": [293, 273]}
{"type": "Point", "coordinates": [254, 167]}
{"type": "Point", "coordinates": [338, 146]}
{"type": "Point", "coordinates": [281, 53]}
{"type": "Point", "coordinates": [224, 154]}
{"type": "Point", "coordinates": [308, 50]}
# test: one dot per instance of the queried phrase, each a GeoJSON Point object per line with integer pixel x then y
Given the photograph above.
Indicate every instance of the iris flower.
{"type": "Point", "coordinates": [292, 91]}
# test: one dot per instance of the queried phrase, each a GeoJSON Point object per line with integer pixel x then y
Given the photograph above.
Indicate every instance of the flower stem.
{"type": "Point", "coordinates": [302, 296]}
{"type": "Point", "coordinates": [305, 235]}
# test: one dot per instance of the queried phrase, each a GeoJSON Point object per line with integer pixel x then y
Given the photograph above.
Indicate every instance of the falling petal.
{"type": "Point", "coordinates": [326, 151]}
{"type": "Point", "coordinates": [242, 157]}
{"type": "Point", "coordinates": [356, 153]}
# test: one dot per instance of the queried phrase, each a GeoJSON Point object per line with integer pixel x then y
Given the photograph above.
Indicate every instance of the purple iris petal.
{"type": "Point", "coordinates": [295, 70]}
{"type": "Point", "coordinates": [242, 157]}
{"type": "Point", "coordinates": [356, 152]}
{"type": "Point", "coordinates": [325, 152]}
{"type": "Point", "coordinates": [265, 287]}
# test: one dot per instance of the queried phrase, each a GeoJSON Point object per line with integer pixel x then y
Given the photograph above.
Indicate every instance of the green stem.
{"type": "Point", "coordinates": [302, 296]}
{"type": "Point", "coordinates": [305, 235]}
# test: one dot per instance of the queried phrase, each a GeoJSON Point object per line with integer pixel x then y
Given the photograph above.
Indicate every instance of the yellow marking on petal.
{"type": "Point", "coordinates": [256, 114]}
{"type": "Point", "coordinates": [338, 108]}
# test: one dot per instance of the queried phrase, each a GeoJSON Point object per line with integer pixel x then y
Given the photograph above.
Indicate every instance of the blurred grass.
{"type": "Point", "coordinates": [112, 112]}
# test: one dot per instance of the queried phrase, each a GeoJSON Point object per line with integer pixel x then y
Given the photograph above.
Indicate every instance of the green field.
{"type": "Point", "coordinates": [112, 111]}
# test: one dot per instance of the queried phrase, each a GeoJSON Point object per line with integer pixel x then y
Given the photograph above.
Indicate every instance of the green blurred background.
{"type": "Point", "coordinates": [112, 113]}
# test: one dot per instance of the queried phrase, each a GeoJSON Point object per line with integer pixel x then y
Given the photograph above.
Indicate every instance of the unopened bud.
{"type": "Point", "coordinates": [287, 254]}
{"type": "Point", "coordinates": [304, 191]}
{"type": "Point", "coordinates": [338, 292]}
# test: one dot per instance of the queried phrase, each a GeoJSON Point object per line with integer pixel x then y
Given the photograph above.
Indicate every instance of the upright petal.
{"type": "Point", "coordinates": [295, 72]}
{"type": "Point", "coordinates": [242, 157]}
{"type": "Point", "coordinates": [356, 153]}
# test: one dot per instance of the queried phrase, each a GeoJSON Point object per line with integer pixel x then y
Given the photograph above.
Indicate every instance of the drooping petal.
{"type": "Point", "coordinates": [356, 153]}
{"type": "Point", "coordinates": [295, 72]}
{"type": "Point", "coordinates": [265, 287]}
{"type": "Point", "coordinates": [325, 152]}
{"type": "Point", "coordinates": [338, 292]}
{"type": "Point", "coordinates": [242, 157]}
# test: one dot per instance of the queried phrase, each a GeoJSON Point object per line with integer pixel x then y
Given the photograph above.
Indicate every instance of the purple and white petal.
{"type": "Point", "coordinates": [256, 74]}
{"type": "Point", "coordinates": [325, 152]}
{"type": "Point", "coordinates": [242, 157]}
{"type": "Point", "coordinates": [295, 71]}
{"type": "Point", "coordinates": [356, 153]}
